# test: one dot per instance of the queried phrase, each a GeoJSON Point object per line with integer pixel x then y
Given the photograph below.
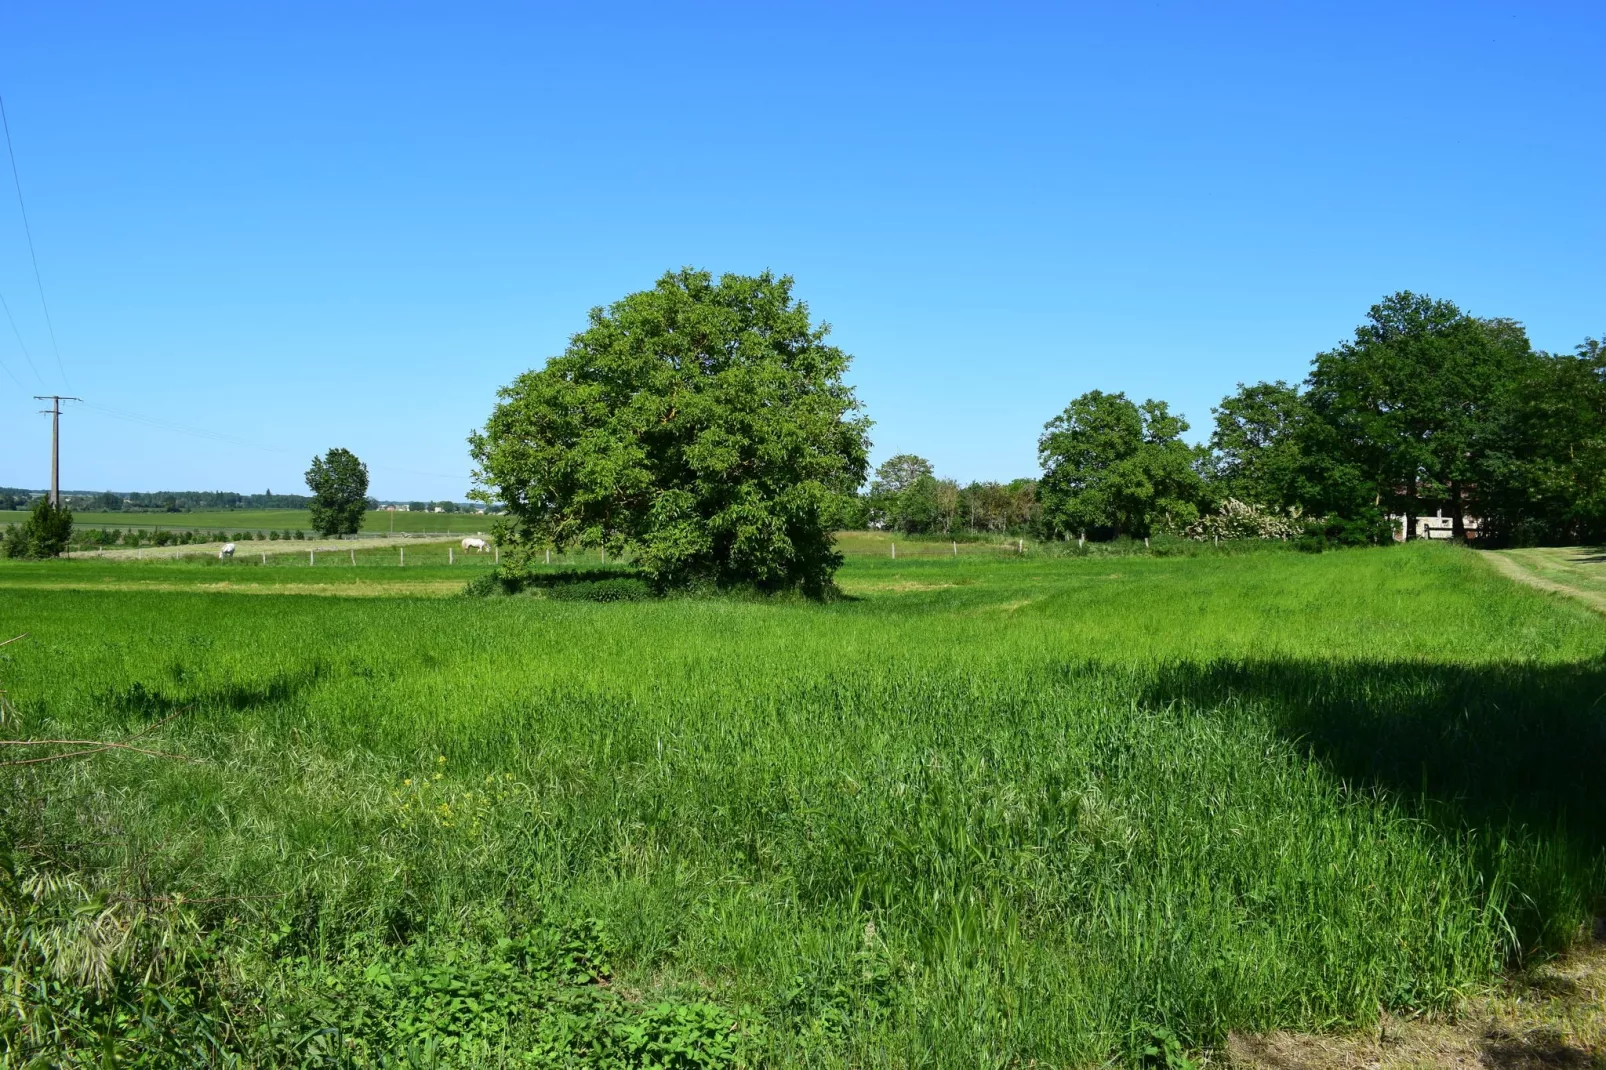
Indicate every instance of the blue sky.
{"type": "Point", "coordinates": [295, 226]}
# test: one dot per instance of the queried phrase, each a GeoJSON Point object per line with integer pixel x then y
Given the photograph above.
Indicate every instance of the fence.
{"type": "Point", "coordinates": [895, 550]}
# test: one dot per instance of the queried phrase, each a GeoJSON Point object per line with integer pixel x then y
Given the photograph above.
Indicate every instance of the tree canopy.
{"type": "Point", "coordinates": [339, 485]}
{"type": "Point", "coordinates": [1427, 408]}
{"type": "Point", "coordinates": [904, 494]}
{"type": "Point", "coordinates": [1255, 449]}
{"type": "Point", "coordinates": [703, 424]}
{"type": "Point", "coordinates": [1114, 467]}
{"type": "Point", "coordinates": [1414, 401]}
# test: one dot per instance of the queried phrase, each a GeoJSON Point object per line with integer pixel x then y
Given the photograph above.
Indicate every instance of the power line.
{"type": "Point", "coordinates": [12, 375]}
{"type": "Point", "coordinates": [182, 429]}
{"type": "Point", "coordinates": [217, 436]}
{"type": "Point", "coordinates": [26, 355]}
{"type": "Point", "coordinates": [28, 230]}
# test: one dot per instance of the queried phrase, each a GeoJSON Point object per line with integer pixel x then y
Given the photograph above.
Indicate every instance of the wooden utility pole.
{"type": "Point", "coordinates": [54, 413]}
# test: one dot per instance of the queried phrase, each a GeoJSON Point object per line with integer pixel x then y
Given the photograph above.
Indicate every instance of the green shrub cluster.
{"type": "Point", "coordinates": [617, 589]}
{"type": "Point", "coordinates": [46, 532]}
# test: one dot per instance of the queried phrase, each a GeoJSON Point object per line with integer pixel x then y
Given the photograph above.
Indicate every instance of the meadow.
{"type": "Point", "coordinates": [985, 811]}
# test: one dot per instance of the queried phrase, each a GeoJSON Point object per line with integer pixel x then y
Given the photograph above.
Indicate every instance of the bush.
{"type": "Point", "coordinates": [490, 585]}
{"type": "Point", "coordinates": [1371, 528]}
{"type": "Point", "coordinates": [1240, 520]}
{"type": "Point", "coordinates": [45, 533]}
{"type": "Point", "coordinates": [620, 589]}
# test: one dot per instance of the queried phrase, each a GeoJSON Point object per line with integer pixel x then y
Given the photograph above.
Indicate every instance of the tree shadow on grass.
{"type": "Point", "coordinates": [1515, 752]}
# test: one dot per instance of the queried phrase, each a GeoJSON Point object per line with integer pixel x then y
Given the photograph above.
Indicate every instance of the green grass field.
{"type": "Point", "coordinates": [985, 811]}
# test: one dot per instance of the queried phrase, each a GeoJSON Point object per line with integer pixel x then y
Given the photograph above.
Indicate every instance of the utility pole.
{"type": "Point", "coordinates": [55, 442]}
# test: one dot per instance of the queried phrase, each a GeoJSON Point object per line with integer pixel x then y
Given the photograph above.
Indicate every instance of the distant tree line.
{"type": "Point", "coordinates": [906, 496]}
{"type": "Point", "coordinates": [158, 501]}
{"type": "Point", "coordinates": [1426, 409]}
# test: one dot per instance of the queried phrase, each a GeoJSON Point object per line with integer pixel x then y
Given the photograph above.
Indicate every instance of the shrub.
{"type": "Point", "coordinates": [1241, 520]}
{"type": "Point", "coordinates": [620, 589]}
{"type": "Point", "coordinates": [45, 533]}
{"type": "Point", "coordinates": [490, 585]}
{"type": "Point", "coordinates": [1371, 528]}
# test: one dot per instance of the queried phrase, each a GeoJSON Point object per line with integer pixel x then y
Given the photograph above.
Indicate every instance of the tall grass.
{"type": "Point", "coordinates": [980, 813]}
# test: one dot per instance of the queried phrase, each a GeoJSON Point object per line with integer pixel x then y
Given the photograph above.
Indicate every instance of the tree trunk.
{"type": "Point", "coordinates": [1458, 527]}
{"type": "Point", "coordinates": [1410, 509]}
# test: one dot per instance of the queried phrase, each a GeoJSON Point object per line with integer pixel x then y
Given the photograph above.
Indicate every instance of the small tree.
{"type": "Point", "coordinates": [339, 485]}
{"type": "Point", "coordinates": [45, 533]}
{"type": "Point", "coordinates": [903, 494]}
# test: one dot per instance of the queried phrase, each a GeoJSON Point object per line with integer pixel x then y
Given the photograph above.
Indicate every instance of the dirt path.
{"type": "Point", "coordinates": [251, 549]}
{"type": "Point", "coordinates": [1553, 1018]}
{"type": "Point", "coordinates": [1574, 571]}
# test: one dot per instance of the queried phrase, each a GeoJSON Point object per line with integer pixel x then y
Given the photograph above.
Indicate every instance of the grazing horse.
{"type": "Point", "coordinates": [479, 545]}
{"type": "Point", "coordinates": [226, 552]}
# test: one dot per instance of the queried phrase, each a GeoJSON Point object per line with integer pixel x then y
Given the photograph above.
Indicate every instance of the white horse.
{"type": "Point", "coordinates": [478, 545]}
{"type": "Point", "coordinates": [226, 552]}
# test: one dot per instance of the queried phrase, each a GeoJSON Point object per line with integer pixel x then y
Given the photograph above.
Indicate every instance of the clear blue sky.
{"type": "Point", "coordinates": [308, 225]}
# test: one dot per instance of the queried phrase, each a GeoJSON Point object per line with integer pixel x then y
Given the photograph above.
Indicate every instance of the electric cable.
{"type": "Point", "coordinates": [28, 230]}
{"type": "Point", "coordinates": [216, 436]}
{"type": "Point", "coordinates": [26, 355]}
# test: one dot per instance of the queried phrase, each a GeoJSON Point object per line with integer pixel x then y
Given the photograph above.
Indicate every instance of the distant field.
{"type": "Point", "coordinates": [1001, 811]}
{"type": "Point", "coordinates": [377, 522]}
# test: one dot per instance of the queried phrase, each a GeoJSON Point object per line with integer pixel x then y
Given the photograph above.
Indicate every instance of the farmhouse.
{"type": "Point", "coordinates": [1437, 526]}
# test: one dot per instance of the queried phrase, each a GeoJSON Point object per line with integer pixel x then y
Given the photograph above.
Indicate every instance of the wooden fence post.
{"type": "Point", "coordinates": [311, 560]}
{"type": "Point", "coordinates": [895, 551]}
{"type": "Point", "coordinates": [449, 558]}
{"type": "Point", "coordinates": [264, 557]}
{"type": "Point", "coordinates": [353, 552]}
{"type": "Point", "coordinates": [403, 550]}
{"type": "Point", "coordinates": [956, 547]}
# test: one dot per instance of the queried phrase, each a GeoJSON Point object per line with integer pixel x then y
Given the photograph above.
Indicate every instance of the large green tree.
{"type": "Point", "coordinates": [1413, 405]}
{"type": "Point", "coordinates": [1113, 467]}
{"type": "Point", "coordinates": [702, 424]}
{"type": "Point", "coordinates": [1543, 476]}
{"type": "Point", "coordinates": [1256, 449]}
{"type": "Point", "coordinates": [339, 485]}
